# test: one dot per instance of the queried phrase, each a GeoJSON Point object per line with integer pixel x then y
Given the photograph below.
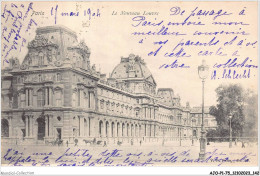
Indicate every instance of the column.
{"type": "Point", "coordinates": [90, 133]}
{"type": "Point", "coordinates": [26, 127]}
{"type": "Point", "coordinates": [125, 130]}
{"type": "Point", "coordinates": [140, 131]}
{"type": "Point", "coordinates": [31, 97]}
{"type": "Point", "coordinates": [109, 130]}
{"type": "Point", "coordinates": [145, 130]}
{"type": "Point", "coordinates": [103, 129]}
{"type": "Point", "coordinates": [31, 125]}
{"type": "Point", "coordinates": [133, 131]}
{"type": "Point", "coordinates": [51, 134]}
{"type": "Point", "coordinates": [114, 129]}
{"type": "Point", "coordinates": [154, 134]}
{"type": "Point", "coordinates": [10, 127]}
{"type": "Point", "coordinates": [120, 130]}
{"type": "Point", "coordinates": [86, 127]}
{"type": "Point", "coordinates": [90, 100]}
{"type": "Point", "coordinates": [137, 131]}
{"type": "Point", "coordinates": [46, 96]}
{"type": "Point", "coordinates": [81, 126]}
{"type": "Point", "coordinates": [51, 96]}
{"type": "Point", "coordinates": [26, 98]}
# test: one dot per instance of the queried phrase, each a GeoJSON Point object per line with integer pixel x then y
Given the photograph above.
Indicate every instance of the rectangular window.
{"type": "Point", "coordinates": [48, 96]}
{"type": "Point", "coordinates": [78, 97]}
{"type": "Point", "coordinates": [89, 101]}
{"type": "Point", "coordinates": [73, 99]}
{"type": "Point", "coordinates": [40, 98]}
{"type": "Point", "coordinates": [28, 97]}
{"type": "Point", "coordinates": [58, 98]}
{"type": "Point", "coordinates": [22, 98]}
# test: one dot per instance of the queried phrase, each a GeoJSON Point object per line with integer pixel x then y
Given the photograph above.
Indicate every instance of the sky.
{"type": "Point", "coordinates": [110, 37]}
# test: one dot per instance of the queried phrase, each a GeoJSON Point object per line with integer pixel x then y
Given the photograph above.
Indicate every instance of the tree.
{"type": "Point", "coordinates": [230, 101]}
{"type": "Point", "coordinates": [251, 114]}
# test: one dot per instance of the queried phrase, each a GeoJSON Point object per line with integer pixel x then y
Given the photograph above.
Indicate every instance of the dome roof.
{"type": "Point", "coordinates": [132, 67]}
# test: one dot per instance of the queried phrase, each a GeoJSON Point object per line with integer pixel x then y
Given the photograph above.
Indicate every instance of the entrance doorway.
{"type": "Point", "coordinates": [41, 128]}
{"type": "Point", "coordinates": [58, 133]}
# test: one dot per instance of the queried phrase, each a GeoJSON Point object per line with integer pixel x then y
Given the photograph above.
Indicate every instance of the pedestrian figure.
{"type": "Point", "coordinates": [132, 143]}
{"type": "Point", "coordinates": [236, 142]}
{"type": "Point", "coordinates": [140, 142]}
{"type": "Point", "coordinates": [119, 143]}
{"type": "Point", "coordinates": [243, 144]}
{"type": "Point", "coordinates": [67, 143]}
{"type": "Point", "coordinates": [94, 141]}
{"type": "Point", "coordinates": [105, 144]}
{"type": "Point", "coordinates": [76, 142]}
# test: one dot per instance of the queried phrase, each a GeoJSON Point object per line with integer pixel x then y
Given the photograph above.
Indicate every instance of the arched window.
{"type": "Point", "coordinates": [79, 97]}
{"type": "Point", "coordinates": [132, 130]}
{"type": "Point", "coordinates": [112, 129]}
{"type": "Point", "coordinates": [136, 130]}
{"type": "Point", "coordinates": [127, 130]}
{"type": "Point", "coordinates": [117, 128]}
{"type": "Point", "coordinates": [100, 128]}
{"type": "Point", "coordinates": [85, 127]}
{"type": "Point", "coordinates": [107, 127]}
{"type": "Point", "coordinates": [123, 129]}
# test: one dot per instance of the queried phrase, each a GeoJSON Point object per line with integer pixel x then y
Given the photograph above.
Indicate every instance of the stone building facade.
{"type": "Point", "coordinates": [56, 93]}
{"type": "Point", "coordinates": [196, 116]}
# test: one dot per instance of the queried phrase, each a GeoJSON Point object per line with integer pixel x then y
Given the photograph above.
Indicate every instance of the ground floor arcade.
{"type": "Point", "coordinates": [44, 127]}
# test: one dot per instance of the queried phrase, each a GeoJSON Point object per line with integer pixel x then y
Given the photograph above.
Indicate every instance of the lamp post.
{"type": "Point", "coordinates": [203, 71]}
{"type": "Point", "coordinates": [230, 131]}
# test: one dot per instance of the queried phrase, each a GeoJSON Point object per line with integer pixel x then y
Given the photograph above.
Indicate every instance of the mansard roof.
{"type": "Point", "coordinates": [198, 110]}
{"type": "Point", "coordinates": [133, 64]}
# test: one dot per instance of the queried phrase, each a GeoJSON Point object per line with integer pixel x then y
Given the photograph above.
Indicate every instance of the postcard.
{"type": "Point", "coordinates": [146, 84]}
